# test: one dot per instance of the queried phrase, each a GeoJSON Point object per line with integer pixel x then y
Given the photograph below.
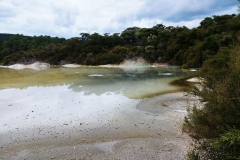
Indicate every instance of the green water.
{"type": "Point", "coordinates": [133, 83]}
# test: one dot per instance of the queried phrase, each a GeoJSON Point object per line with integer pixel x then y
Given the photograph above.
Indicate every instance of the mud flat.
{"type": "Point", "coordinates": [150, 129]}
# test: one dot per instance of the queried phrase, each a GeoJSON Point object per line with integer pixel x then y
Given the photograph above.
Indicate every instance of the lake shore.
{"type": "Point", "coordinates": [157, 134]}
{"type": "Point", "coordinates": [36, 65]}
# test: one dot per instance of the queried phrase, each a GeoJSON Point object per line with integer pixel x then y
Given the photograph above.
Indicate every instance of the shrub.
{"type": "Point", "coordinates": [209, 124]}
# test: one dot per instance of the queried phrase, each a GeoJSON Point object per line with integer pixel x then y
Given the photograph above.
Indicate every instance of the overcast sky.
{"type": "Point", "coordinates": [68, 18]}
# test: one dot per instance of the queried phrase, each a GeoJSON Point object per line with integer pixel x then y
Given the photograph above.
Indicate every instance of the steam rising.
{"type": "Point", "coordinates": [35, 66]}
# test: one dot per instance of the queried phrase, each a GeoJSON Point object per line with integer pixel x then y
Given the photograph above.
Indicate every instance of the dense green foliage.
{"type": "Point", "coordinates": [174, 45]}
{"type": "Point", "coordinates": [216, 125]}
{"type": "Point", "coordinates": [19, 48]}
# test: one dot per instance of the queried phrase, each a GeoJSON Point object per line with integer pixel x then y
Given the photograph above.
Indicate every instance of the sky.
{"type": "Point", "coordinates": [69, 18]}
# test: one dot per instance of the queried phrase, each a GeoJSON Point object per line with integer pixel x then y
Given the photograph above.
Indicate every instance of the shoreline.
{"type": "Point", "coordinates": [156, 135]}
{"type": "Point", "coordinates": [126, 64]}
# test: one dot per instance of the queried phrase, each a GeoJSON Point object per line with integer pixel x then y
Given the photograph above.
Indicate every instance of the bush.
{"type": "Point", "coordinates": [209, 124]}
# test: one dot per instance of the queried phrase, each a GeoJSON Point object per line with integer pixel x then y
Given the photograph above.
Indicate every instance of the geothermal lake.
{"type": "Point", "coordinates": [62, 103]}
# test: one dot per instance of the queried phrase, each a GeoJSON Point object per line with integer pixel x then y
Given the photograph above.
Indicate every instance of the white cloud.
{"type": "Point", "coordinates": [68, 18]}
{"type": "Point", "coordinates": [105, 14]}
{"type": "Point", "coordinates": [5, 7]}
{"type": "Point", "coordinates": [172, 8]}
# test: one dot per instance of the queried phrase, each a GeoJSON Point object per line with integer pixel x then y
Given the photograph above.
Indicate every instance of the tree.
{"type": "Point", "coordinates": [159, 26]}
{"type": "Point", "coordinates": [142, 35]}
{"type": "Point", "coordinates": [128, 35]}
{"type": "Point", "coordinates": [116, 39]}
{"type": "Point", "coordinates": [208, 21]}
{"type": "Point", "coordinates": [222, 19]}
{"type": "Point", "coordinates": [84, 36]}
{"type": "Point", "coordinates": [96, 39]}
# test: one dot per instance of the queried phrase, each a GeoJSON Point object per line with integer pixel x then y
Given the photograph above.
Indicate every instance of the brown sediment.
{"type": "Point", "coordinates": [183, 86]}
{"type": "Point", "coordinates": [161, 93]}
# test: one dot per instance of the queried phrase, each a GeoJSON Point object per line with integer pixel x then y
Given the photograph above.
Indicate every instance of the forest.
{"type": "Point", "coordinates": [179, 46]}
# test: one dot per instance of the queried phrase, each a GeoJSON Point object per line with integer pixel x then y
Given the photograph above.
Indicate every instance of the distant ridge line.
{"type": "Point", "coordinates": [7, 33]}
{"type": "Point", "coordinates": [4, 36]}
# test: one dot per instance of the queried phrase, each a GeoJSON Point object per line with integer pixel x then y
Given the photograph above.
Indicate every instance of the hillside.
{"type": "Point", "coordinates": [4, 36]}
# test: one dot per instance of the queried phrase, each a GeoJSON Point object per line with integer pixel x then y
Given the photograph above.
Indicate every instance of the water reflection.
{"type": "Point", "coordinates": [43, 103]}
{"type": "Point", "coordinates": [45, 107]}
{"type": "Point", "coordinates": [133, 83]}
